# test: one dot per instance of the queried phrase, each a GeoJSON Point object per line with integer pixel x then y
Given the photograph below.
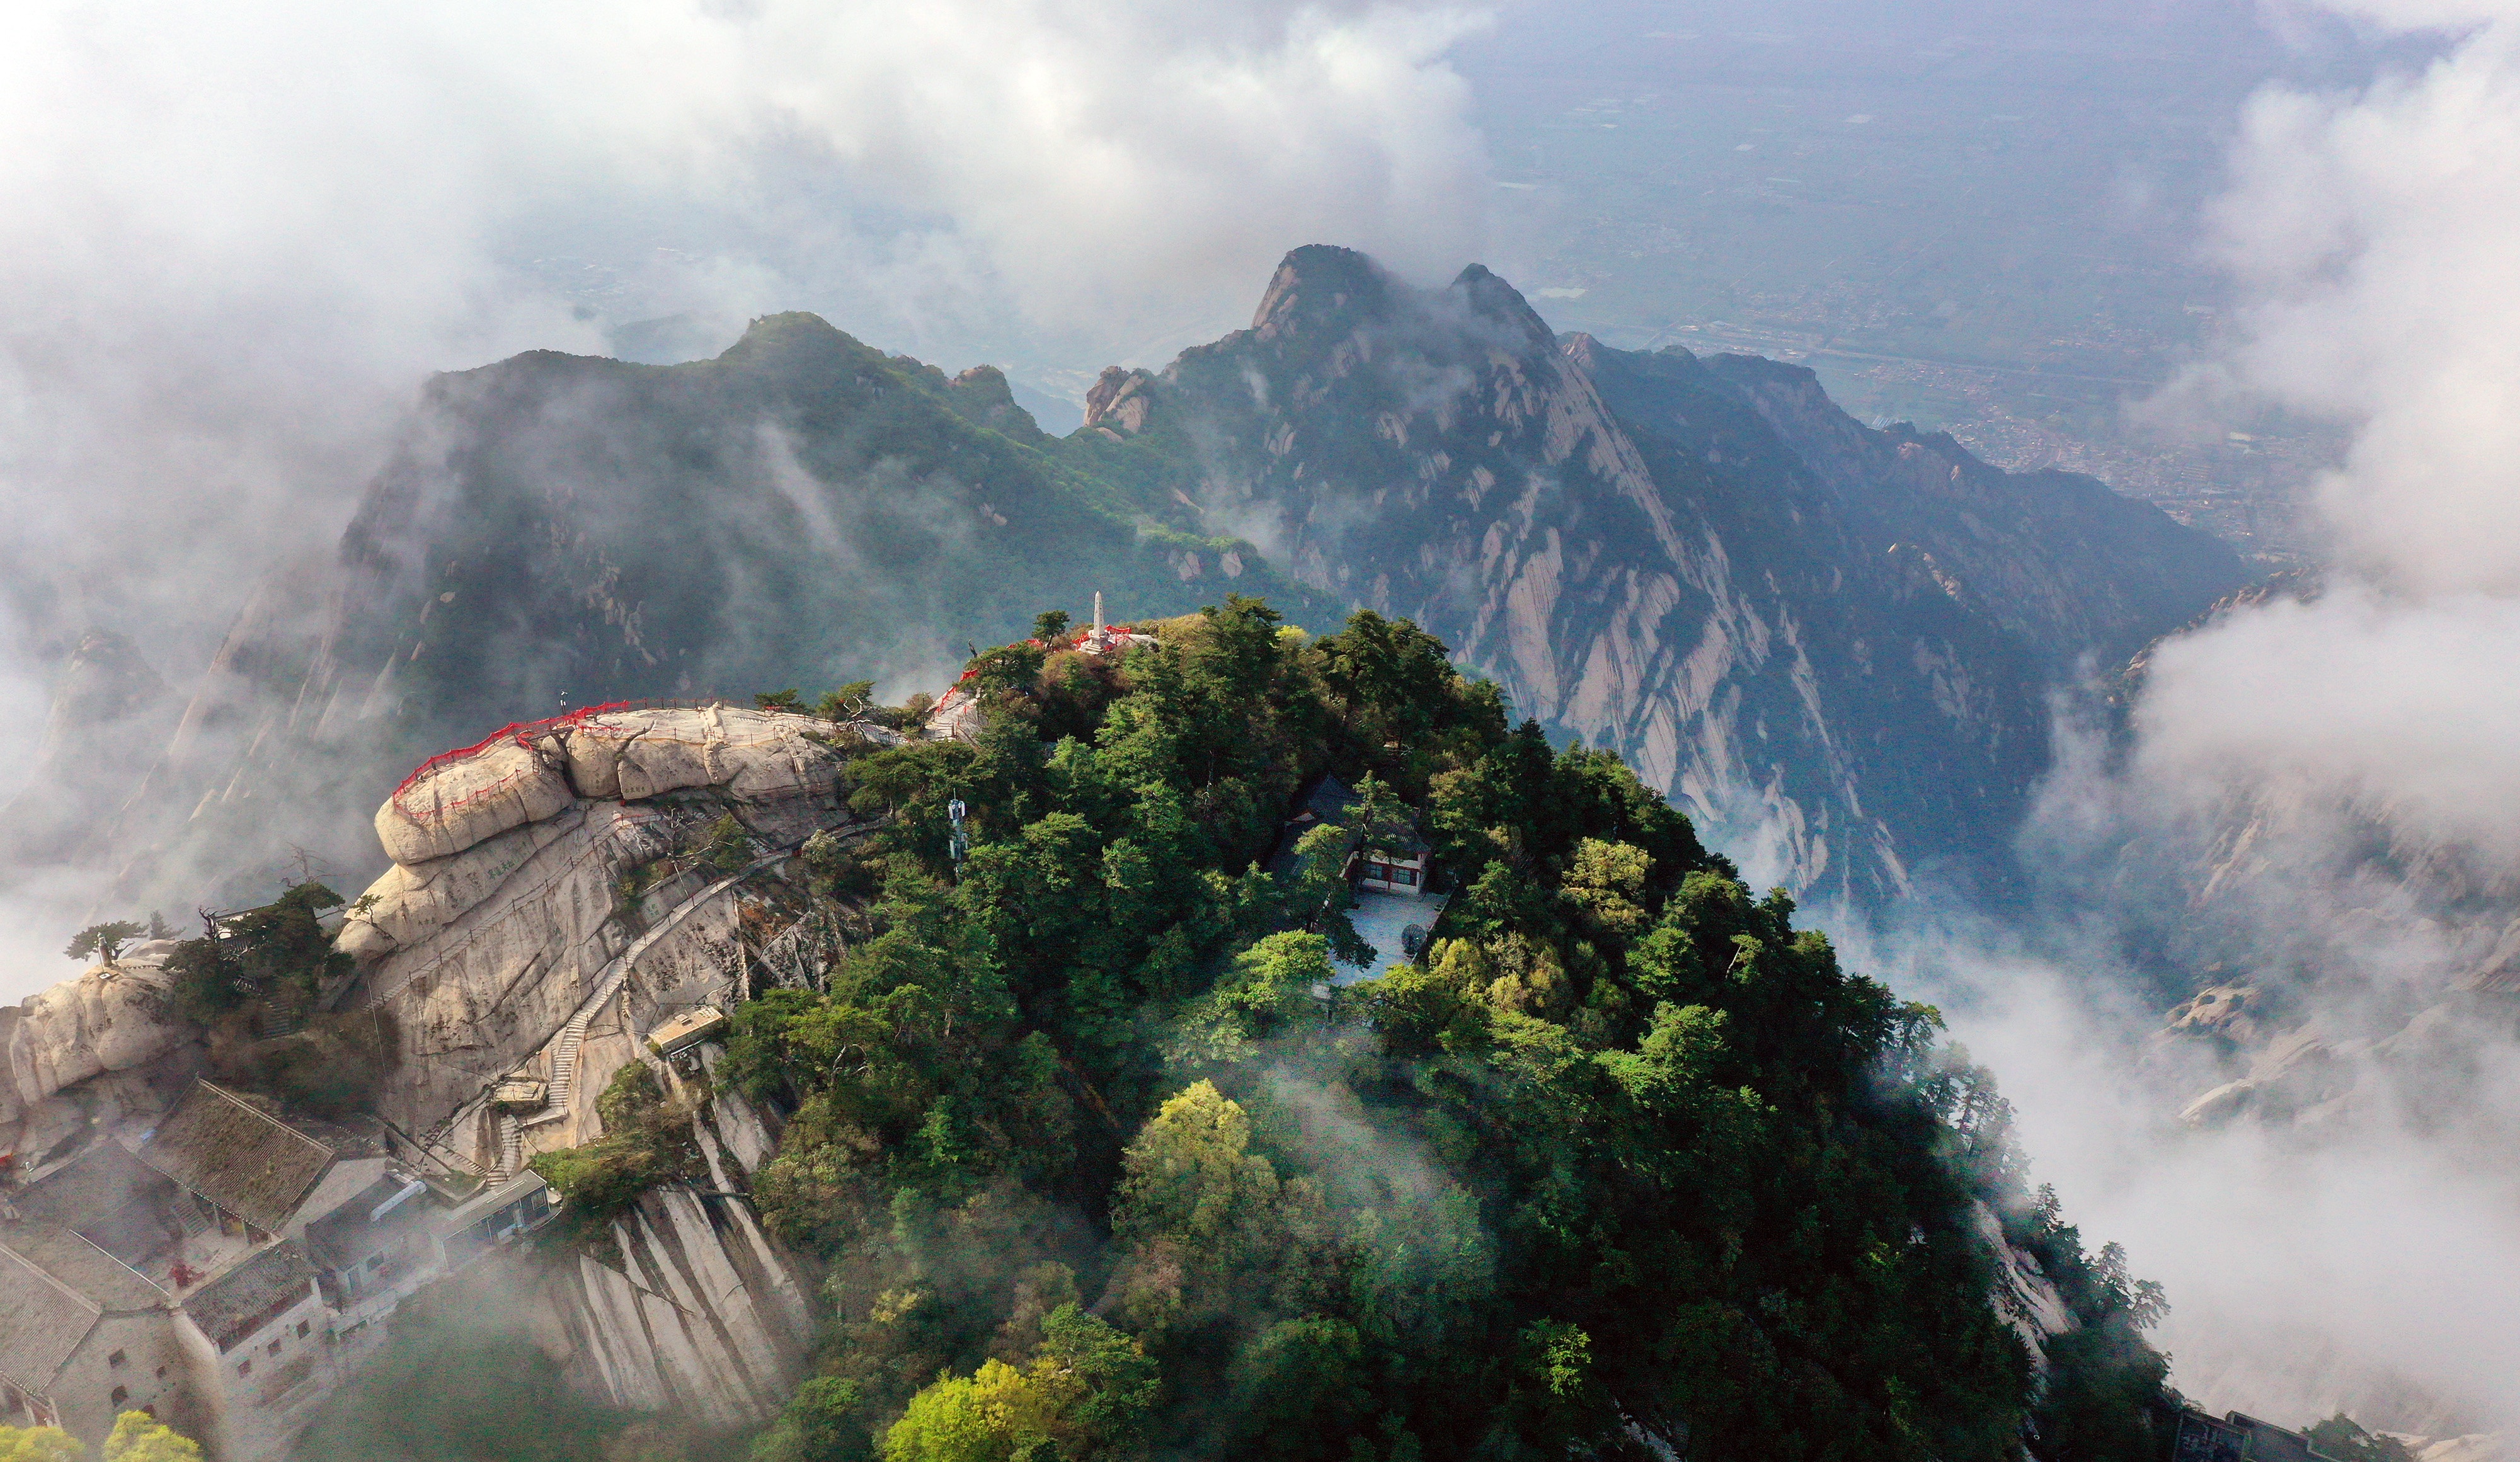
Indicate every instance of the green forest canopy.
{"type": "Point", "coordinates": [1097, 1172]}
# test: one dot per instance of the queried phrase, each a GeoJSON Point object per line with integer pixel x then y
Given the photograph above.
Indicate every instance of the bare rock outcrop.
{"type": "Point", "coordinates": [697, 1306]}
{"type": "Point", "coordinates": [545, 882]}
{"type": "Point", "coordinates": [578, 889]}
{"type": "Point", "coordinates": [689, 1305]}
{"type": "Point", "coordinates": [2022, 1294]}
{"type": "Point", "coordinates": [113, 1018]}
{"type": "Point", "coordinates": [526, 774]}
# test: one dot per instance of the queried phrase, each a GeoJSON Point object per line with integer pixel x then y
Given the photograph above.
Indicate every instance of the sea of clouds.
{"type": "Point", "coordinates": [2315, 797]}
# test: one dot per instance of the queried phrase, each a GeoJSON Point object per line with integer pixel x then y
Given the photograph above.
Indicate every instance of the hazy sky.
{"type": "Point", "coordinates": [238, 240]}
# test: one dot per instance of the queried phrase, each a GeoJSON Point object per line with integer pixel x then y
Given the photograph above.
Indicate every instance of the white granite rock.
{"type": "Point", "coordinates": [525, 775]}
{"type": "Point", "coordinates": [465, 799]}
{"type": "Point", "coordinates": [2022, 1293]}
{"type": "Point", "coordinates": [112, 1018]}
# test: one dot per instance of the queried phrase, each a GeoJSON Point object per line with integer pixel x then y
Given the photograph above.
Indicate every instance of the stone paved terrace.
{"type": "Point", "coordinates": [1381, 917]}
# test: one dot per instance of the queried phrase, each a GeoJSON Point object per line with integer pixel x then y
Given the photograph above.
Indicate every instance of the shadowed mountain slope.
{"type": "Point", "coordinates": [554, 531]}
{"type": "Point", "coordinates": [1830, 644]}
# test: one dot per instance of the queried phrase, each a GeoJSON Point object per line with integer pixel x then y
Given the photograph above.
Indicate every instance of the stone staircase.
{"type": "Point", "coordinates": [573, 1039]}
{"type": "Point", "coordinates": [572, 1036]}
{"type": "Point", "coordinates": [511, 1150]}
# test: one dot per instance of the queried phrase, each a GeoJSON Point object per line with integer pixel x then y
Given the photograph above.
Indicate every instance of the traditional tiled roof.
{"type": "Point", "coordinates": [237, 1156]}
{"type": "Point", "coordinates": [54, 1286]}
{"type": "Point", "coordinates": [41, 1321]}
{"type": "Point", "coordinates": [96, 1276]}
{"type": "Point", "coordinates": [1329, 801]}
{"type": "Point", "coordinates": [99, 1181]}
{"type": "Point", "coordinates": [112, 1197]}
{"type": "Point", "coordinates": [242, 1301]}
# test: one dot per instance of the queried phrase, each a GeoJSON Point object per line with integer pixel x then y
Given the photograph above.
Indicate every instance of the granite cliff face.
{"type": "Point", "coordinates": [87, 1051]}
{"type": "Point", "coordinates": [545, 907]}
{"type": "Point", "coordinates": [558, 890]}
{"type": "Point", "coordinates": [1830, 644]}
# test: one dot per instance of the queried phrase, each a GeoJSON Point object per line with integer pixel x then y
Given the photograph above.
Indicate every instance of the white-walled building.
{"type": "Point", "coordinates": [225, 1273]}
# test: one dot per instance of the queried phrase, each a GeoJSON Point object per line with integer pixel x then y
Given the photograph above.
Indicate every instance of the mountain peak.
{"type": "Point", "coordinates": [1488, 294]}
{"type": "Point", "coordinates": [792, 338]}
{"type": "Point", "coordinates": [1316, 281]}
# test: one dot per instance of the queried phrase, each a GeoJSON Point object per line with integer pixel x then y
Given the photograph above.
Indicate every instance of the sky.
{"type": "Point", "coordinates": [240, 238]}
{"type": "Point", "coordinates": [239, 241]}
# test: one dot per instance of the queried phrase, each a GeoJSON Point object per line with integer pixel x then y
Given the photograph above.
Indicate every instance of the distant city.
{"type": "Point", "coordinates": [2244, 487]}
{"type": "Point", "coordinates": [1991, 223]}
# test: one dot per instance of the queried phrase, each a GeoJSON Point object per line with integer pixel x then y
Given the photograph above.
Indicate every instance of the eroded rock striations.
{"type": "Point", "coordinates": [515, 906]}
{"type": "Point", "coordinates": [1830, 644]}
{"type": "Point", "coordinates": [547, 909]}
{"type": "Point", "coordinates": [558, 890]}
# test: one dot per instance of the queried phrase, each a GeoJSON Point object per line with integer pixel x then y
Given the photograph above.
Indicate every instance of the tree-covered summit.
{"type": "Point", "coordinates": [1101, 1165]}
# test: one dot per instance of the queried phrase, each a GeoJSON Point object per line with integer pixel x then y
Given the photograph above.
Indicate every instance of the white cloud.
{"type": "Point", "coordinates": [238, 237]}
{"type": "Point", "coordinates": [2370, 1269]}
{"type": "Point", "coordinates": [2371, 232]}
{"type": "Point", "coordinates": [2324, 798]}
{"type": "Point", "coordinates": [2361, 695]}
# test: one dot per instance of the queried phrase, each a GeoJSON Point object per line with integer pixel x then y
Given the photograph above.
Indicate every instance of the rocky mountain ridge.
{"type": "Point", "coordinates": [1830, 644]}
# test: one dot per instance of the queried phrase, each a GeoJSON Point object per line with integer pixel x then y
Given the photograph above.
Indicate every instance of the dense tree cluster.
{"type": "Point", "coordinates": [255, 978]}
{"type": "Point", "coordinates": [647, 1140]}
{"type": "Point", "coordinates": [279, 957]}
{"type": "Point", "coordinates": [1101, 1167]}
{"type": "Point", "coordinates": [137, 1436]}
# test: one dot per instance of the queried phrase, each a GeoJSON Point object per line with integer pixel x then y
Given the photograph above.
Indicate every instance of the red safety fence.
{"type": "Point", "coordinates": [525, 733]}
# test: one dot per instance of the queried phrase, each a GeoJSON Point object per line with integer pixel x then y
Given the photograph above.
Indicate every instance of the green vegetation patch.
{"type": "Point", "coordinates": [255, 978]}
{"type": "Point", "coordinates": [646, 1142]}
{"type": "Point", "coordinates": [1097, 1172]}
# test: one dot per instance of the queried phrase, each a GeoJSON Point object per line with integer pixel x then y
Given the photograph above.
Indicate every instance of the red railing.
{"type": "Point", "coordinates": [524, 733]}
